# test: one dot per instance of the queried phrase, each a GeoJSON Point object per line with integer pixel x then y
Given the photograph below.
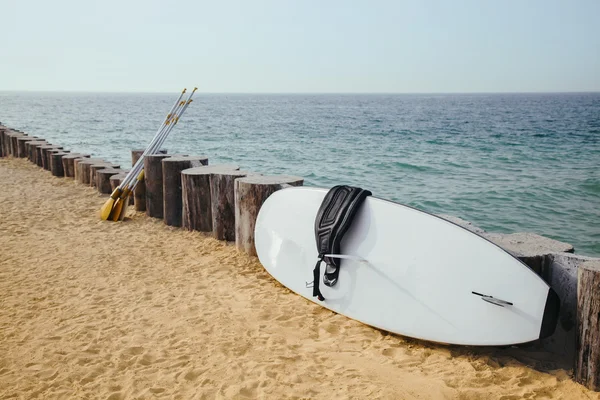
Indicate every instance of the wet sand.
{"type": "Point", "coordinates": [138, 310]}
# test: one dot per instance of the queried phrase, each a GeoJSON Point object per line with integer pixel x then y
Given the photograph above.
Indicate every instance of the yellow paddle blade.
{"type": "Point", "coordinates": [108, 206]}
{"type": "Point", "coordinates": [124, 209]}
{"type": "Point", "coordinates": [119, 205]}
{"type": "Point", "coordinates": [116, 211]}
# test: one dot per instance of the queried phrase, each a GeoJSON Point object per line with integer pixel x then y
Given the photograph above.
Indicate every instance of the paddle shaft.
{"type": "Point", "coordinates": [168, 118]}
{"type": "Point", "coordinates": [155, 146]}
{"type": "Point", "coordinates": [134, 183]}
{"type": "Point", "coordinates": [158, 139]}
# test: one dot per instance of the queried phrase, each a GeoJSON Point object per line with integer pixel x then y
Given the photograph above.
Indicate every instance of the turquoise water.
{"type": "Point", "coordinates": [506, 162]}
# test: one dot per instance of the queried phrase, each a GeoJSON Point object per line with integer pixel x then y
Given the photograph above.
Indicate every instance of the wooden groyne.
{"type": "Point", "coordinates": [223, 201]}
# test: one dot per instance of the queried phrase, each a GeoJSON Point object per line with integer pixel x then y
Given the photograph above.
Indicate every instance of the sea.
{"type": "Point", "coordinates": [505, 162]}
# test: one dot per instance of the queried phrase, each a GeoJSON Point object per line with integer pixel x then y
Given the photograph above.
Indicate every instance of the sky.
{"type": "Point", "coordinates": [301, 46]}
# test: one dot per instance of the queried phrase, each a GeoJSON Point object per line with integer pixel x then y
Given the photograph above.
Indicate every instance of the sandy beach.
{"type": "Point", "coordinates": [138, 310]}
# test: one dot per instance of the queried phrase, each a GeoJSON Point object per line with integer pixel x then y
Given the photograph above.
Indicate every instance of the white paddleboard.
{"type": "Point", "coordinates": [408, 272]}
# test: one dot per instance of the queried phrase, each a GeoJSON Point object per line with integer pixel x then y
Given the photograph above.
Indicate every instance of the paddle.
{"type": "Point", "coordinates": [108, 205]}
{"type": "Point", "coordinates": [151, 149]}
{"type": "Point", "coordinates": [121, 205]}
{"type": "Point", "coordinates": [121, 194]}
{"type": "Point", "coordinates": [154, 146]}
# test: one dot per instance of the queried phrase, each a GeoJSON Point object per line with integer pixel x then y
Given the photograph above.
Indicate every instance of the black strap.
{"type": "Point", "coordinates": [335, 215]}
{"type": "Point", "coordinates": [316, 275]}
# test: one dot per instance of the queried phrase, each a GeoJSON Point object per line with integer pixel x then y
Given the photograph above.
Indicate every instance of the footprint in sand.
{"type": "Point", "coordinates": [47, 375]}
{"type": "Point", "coordinates": [134, 351]}
{"type": "Point", "coordinates": [389, 352]}
{"type": "Point", "coordinates": [332, 328]}
{"type": "Point", "coordinates": [34, 366]}
{"type": "Point", "coordinates": [194, 374]}
{"type": "Point", "coordinates": [146, 360]}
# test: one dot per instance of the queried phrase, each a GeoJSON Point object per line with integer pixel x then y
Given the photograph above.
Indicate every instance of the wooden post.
{"type": "Point", "coordinates": [39, 154]}
{"type": "Point", "coordinates": [139, 194]}
{"type": "Point", "coordinates": [7, 145]}
{"type": "Point", "coordinates": [49, 154]}
{"type": "Point", "coordinates": [43, 154]}
{"type": "Point", "coordinates": [250, 194]}
{"type": "Point", "coordinates": [222, 193]}
{"type": "Point", "coordinates": [94, 168]}
{"type": "Point", "coordinates": [56, 165]}
{"type": "Point", "coordinates": [171, 169]}
{"type": "Point", "coordinates": [3, 140]}
{"type": "Point", "coordinates": [154, 184]}
{"type": "Point", "coordinates": [103, 179]}
{"type": "Point", "coordinates": [14, 145]}
{"type": "Point", "coordinates": [2, 131]}
{"type": "Point", "coordinates": [69, 163]}
{"type": "Point", "coordinates": [21, 150]}
{"type": "Point", "coordinates": [43, 162]}
{"type": "Point", "coordinates": [32, 149]}
{"type": "Point", "coordinates": [587, 362]}
{"type": "Point", "coordinates": [82, 168]}
{"type": "Point", "coordinates": [196, 198]}
{"type": "Point", "coordinates": [115, 180]}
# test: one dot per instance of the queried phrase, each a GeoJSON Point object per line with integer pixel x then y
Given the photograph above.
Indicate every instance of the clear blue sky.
{"type": "Point", "coordinates": [300, 46]}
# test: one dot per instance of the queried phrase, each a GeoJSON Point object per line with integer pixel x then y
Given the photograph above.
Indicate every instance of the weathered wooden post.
{"type": "Point", "coordinates": [139, 194]}
{"type": "Point", "coordinates": [196, 198]}
{"type": "Point", "coordinates": [46, 155]}
{"type": "Point", "coordinates": [49, 154]}
{"type": "Point", "coordinates": [6, 146]}
{"type": "Point", "coordinates": [30, 152]}
{"type": "Point", "coordinates": [250, 194]}
{"type": "Point", "coordinates": [42, 154]}
{"type": "Point", "coordinates": [69, 163]}
{"type": "Point", "coordinates": [21, 149]}
{"type": "Point", "coordinates": [222, 193]}
{"type": "Point", "coordinates": [103, 179]}
{"type": "Point", "coordinates": [3, 139]}
{"type": "Point", "coordinates": [14, 144]}
{"type": "Point", "coordinates": [56, 165]}
{"type": "Point", "coordinates": [94, 168]}
{"type": "Point", "coordinates": [7, 141]}
{"type": "Point", "coordinates": [115, 180]}
{"type": "Point", "coordinates": [39, 154]}
{"type": "Point", "coordinates": [32, 149]}
{"type": "Point", "coordinates": [154, 185]}
{"type": "Point", "coordinates": [82, 168]}
{"type": "Point", "coordinates": [2, 131]}
{"type": "Point", "coordinates": [172, 200]}
{"type": "Point", "coordinates": [587, 362]}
